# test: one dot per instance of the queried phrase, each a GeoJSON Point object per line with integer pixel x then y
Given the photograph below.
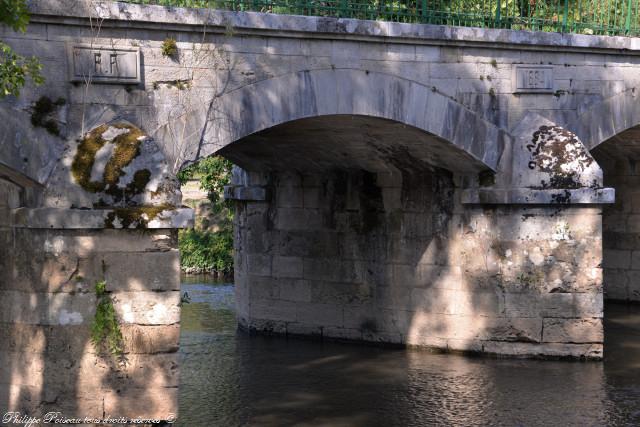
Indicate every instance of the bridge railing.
{"type": "Point", "coordinates": [607, 17]}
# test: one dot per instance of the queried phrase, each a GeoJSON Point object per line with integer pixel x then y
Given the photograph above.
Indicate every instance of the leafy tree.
{"type": "Point", "coordinates": [14, 68]}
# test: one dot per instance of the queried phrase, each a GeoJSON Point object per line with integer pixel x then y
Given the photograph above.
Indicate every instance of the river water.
{"type": "Point", "coordinates": [231, 379]}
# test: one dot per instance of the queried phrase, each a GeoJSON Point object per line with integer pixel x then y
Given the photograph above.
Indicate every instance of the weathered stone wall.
{"type": "Point", "coordinates": [47, 360]}
{"type": "Point", "coordinates": [396, 258]}
{"type": "Point", "coordinates": [336, 66]}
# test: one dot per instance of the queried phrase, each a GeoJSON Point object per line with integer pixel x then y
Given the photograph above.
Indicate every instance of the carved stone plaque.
{"type": "Point", "coordinates": [104, 64]}
{"type": "Point", "coordinates": [534, 79]}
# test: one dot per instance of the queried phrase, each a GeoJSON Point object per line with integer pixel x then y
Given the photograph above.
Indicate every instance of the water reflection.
{"type": "Point", "coordinates": [231, 379]}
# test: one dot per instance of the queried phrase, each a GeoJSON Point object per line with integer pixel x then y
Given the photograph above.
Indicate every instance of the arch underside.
{"type": "Point", "coordinates": [241, 113]}
{"type": "Point", "coordinates": [348, 142]}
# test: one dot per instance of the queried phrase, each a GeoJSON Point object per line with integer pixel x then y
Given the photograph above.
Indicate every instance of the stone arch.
{"type": "Point", "coordinates": [28, 151]}
{"type": "Point", "coordinates": [611, 131]}
{"type": "Point", "coordinates": [607, 119]}
{"type": "Point", "coordinates": [267, 103]}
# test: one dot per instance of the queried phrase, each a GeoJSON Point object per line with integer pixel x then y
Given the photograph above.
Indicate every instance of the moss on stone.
{"type": "Point", "coordinates": [126, 148]}
{"type": "Point", "coordinates": [138, 216]}
{"type": "Point", "coordinates": [140, 180]}
{"type": "Point", "coordinates": [85, 157]}
{"type": "Point", "coordinates": [169, 47]}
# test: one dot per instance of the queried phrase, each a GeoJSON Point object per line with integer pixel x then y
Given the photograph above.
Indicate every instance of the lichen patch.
{"type": "Point", "coordinates": [117, 165]}
{"type": "Point", "coordinates": [559, 153]}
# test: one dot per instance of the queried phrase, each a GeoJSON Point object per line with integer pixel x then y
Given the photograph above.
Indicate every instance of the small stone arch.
{"type": "Point", "coordinates": [607, 119]}
{"type": "Point", "coordinates": [267, 103]}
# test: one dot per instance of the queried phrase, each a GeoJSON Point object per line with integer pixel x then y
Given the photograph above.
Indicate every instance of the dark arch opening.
{"type": "Point", "coordinates": [348, 142]}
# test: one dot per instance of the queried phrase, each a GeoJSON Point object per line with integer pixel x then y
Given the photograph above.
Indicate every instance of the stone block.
{"type": "Point", "coordinates": [298, 219]}
{"type": "Point", "coordinates": [343, 333]}
{"type": "Point", "coordinates": [259, 265]}
{"type": "Point", "coordinates": [545, 350]}
{"type": "Point", "coordinates": [262, 287]}
{"type": "Point", "coordinates": [340, 293]}
{"type": "Point", "coordinates": [319, 314]}
{"type": "Point", "coordinates": [616, 284]}
{"type": "Point", "coordinates": [148, 308]}
{"type": "Point", "coordinates": [295, 290]}
{"type": "Point", "coordinates": [84, 243]}
{"type": "Point", "coordinates": [311, 198]}
{"type": "Point", "coordinates": [573, 331]}
{"type": "Point", "coordinates": [633, 284]}
{"type": "Point", "coordinates": [392, 296]}
{"type": "Point", "coordinates": [139, 339]}
{"type": "Point", "coordinates": [465, 345]}
{"type": "Point", "coordinates": [273, 310]}
{"type": "Point", "coordinates": [9, 195]}
{"type": "Point", "coordinates": [333, 270]}
{"type": "Point", "coordinates": [75, 339]}
{"type": "Point", "coordinates": [142, 271]}
{"type": "Point", "coordinates": [38, 272]}
{"type": "Point", "coordinates": [295, 328]}
{"type": "Point", "coordinates": [509, 329]}
{"type": "Point", "coordinates": [47, 308]}
{"type": "Point", "coordinates": [447, 71]}
{"type": "Point", "coordinates": [268, 326]}
{"type": "Point", "coordinates": [458, 302]}
{"type": "Point", "coordinates": [287, 266]}
{"type": "Point", "coordinates": [553, 305]}
{"type": "Point", "coordinates": [635, 260]}
{"type": "Point", "coordinates": [429, 276]}
{"type": "Point", "coordinates": [616, 259]}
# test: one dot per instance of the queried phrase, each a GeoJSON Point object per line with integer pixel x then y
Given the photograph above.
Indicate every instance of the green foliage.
{"type": "Point", "coordinates": [14, 14]}
{"type": "Point", "coordinates": [213, 173]}
{"type": "Point", "coordinates": [202, 249]}
{"type": "Point", "coordinates": [105, 329]}
{"type": "Point", "coordinates": [612, 17]}
{"type": "Point", "coordinates": [169, 47]}
{"type": "Point", "coordinates": [206, 250]}
{"type": "Point", "coordinates": [14, 68]}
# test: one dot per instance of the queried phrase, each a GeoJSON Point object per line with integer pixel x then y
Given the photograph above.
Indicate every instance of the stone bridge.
{"type": "Point", "coordinates": [441, 187]}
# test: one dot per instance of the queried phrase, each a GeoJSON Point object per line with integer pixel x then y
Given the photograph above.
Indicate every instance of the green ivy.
{"type": "Point", "coordinates": [14, 68]}
{"type": "Point", "coordinates": [105, 329]}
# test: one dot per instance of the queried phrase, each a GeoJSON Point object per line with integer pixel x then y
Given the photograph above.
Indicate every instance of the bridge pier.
{"type": "Point", "coordinates": [49, 363]}
{"type": "Point", "coordinates": [397, 258]}
{"type": "Point", "coordinates": [54, 255]}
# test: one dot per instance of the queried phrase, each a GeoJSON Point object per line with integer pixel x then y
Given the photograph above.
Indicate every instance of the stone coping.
{"type": "Point", "coordinates": [56, 218]}
{"type": "Point", "coordinates": [527, 196]}
{"type": "Point", "coordinates": [134, 16]}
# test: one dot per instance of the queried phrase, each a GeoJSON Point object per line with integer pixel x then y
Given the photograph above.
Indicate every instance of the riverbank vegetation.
{"type": "Point", "coordinates": [208, 247]}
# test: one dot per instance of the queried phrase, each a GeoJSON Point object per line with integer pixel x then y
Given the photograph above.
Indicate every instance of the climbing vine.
{"type": "Point", "coordinates": [105, 329]}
